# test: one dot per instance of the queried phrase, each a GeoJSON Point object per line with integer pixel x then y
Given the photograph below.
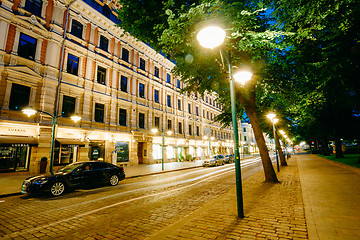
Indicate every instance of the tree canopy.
{"type": "Point", "coordinates": [305, 56]}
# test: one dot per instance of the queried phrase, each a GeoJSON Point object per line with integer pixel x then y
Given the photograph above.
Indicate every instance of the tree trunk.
{"type": "Point", "coordinates": [269, 172]}
{"type": "Point", "coordinates": [325, 147]}
{"type": "Point", "coordinates": [281, 153]}
{"type": "Point", "coordinates": [338, 147]}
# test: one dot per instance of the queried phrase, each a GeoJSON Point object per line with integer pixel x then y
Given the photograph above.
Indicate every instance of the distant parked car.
{"type": "Point", "coordinates": [214, 160]}
{"type": "Point", "coordinates": [74, 176]}
{"type": "Point", "coordinates": [229, 158]}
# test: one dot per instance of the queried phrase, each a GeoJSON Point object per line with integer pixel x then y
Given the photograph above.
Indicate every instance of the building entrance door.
{"type": "Point", "coordinates": [140, 152]}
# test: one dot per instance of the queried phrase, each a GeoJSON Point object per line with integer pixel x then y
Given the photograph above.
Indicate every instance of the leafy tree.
{"type": "Point", "coordinates": [322, 66]}
{"type": "Point", "coordinates": [248, 43]}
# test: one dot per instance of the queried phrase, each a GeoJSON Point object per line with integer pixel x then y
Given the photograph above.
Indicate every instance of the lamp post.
{"type": "Point", "coordinates": [155, 130]}
{"type": "Point", "coordinates": [274, 120]}
{"type": "Point", "coordinates": [30, 111]}
{"type": "Point", "coordinates": [212, 37]}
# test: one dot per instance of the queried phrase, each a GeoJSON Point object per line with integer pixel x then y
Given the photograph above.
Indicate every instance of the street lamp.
{"type": "Point", "coordinates": [274, 120]}
{"type": "Point", "coordinates": [30, 111]}
{"type": "Point", "coordinates": [211, 37]}
{"type": "Point", "coordinates": [155, 130]}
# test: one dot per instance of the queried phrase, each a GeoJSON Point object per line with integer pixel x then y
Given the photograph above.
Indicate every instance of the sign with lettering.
{"type": "Point", "coordinates": [18, 131]}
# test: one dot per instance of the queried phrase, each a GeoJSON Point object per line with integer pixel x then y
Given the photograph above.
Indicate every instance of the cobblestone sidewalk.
{"type": "Point", "coordinates": [272, 211]}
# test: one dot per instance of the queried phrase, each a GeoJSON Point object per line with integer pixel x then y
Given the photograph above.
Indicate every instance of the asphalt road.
{"type": "Point", "coordinates": [135, 209]}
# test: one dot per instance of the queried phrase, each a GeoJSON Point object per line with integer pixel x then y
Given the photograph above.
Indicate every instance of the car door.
{"type": "Point", "coordinates": [79, 176]}
{"type": "Point", "coordinates": [97, 172]}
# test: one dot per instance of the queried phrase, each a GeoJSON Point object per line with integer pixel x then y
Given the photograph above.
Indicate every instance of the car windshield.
{"type": "Point", "coordinates": [69, 168]}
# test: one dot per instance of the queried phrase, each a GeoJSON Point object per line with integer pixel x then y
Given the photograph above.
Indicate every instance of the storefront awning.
{"type": "Point", "coordinates": [70, 142]}
{"type": "Point", "coordinates": [17, 141]}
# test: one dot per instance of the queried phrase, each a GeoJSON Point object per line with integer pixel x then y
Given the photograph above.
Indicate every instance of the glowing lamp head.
{"type": "Point", "coordinates": [271, 116]}
{"type": "Point", "coordinates": [169, 132]}
{"type": "Point", "coordinates": [29, 111]}
{"type": "Point", "coordinates": [154, 130]}
{"type": "Point", "coordinates": [75, 118]}
{"type": "Point", "coordinates": [211, 37]}
{"type": "Point", "coordinates": [242, 77]}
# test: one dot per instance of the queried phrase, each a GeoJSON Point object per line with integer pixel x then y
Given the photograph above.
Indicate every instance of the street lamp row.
{"type": "Point", "coordinates": [274, 120]}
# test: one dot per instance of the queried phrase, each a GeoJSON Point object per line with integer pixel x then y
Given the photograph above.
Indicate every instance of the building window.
{"type": "Point", "coordinates": [68, 107]}
{"type": "Point", "coordinates": [19, 97]}
{"type": "Point", "coordinates": [179, 104]}
{"type": "Point", "coordinates": [168, 78]}
{"type": "Point", "coordinates": [157, 122]}
{"type": "Point", "coordinates": [125, 55]}
{"type": "Point", "coordinates": [168, 100]}
{"type": "Point", "coordinates": [197, 111]}
{"type": "Point", "coordinates": [141, 90]}
{"type": "Point", "coordinates": [76, 29]}
{"type": "Point", "coordinates": [156, 72]}
{"type": "Point", "coordinates": [207, 115]}
{"type": "Point", "coordinates": [169, 124]}
{"type": "Point", "coordinates": [123, 83]}
{"type": "Point", "coordinates": [189, 108]}
{"type": "Point", "coordinates": [101, 75]}
{"type": "Point", "coordinates": [197, 131]}
{"type": "Point", "coordinates": [244, 129]}
{"type": "Point", "coordinates": [190, 130]}
{"type": "Point", "coordinates": [27, 47]}
{"type": "Point", "coordinates": [142, 64]}
{"type": "Point", "coordinates": [34, 7]}
{"type": "Point", "coordinates": [245, 138]}
{"type": "Point", "coordinates": [156, 96]}
{"type": "Point", "coordinates": [72, 64]}
{"type": "Point", "coordinates": [180, 128]}
{"type": "Point", "coordinates": [104, 43]}
{"type": "Point", "coordinates": [122, 117]}
{"type": "Point", "coordinates": [99, 112]}
{"type": "Point", "coordinates": [211, 116]}
{"type": "Point", "coordinates": [203, 113]}
{"type": "Point", "coordinates": [178, 83]}
{"type": "Point", "coordinates": [141, 120]}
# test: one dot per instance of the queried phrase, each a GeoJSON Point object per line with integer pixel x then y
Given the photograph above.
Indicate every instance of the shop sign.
{"type": "Point", "coordinates": [18, 131]}
{"type": "Point", "coordinates": [72, 145]}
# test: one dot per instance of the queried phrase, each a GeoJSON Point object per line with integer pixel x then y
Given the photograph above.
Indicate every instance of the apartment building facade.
{"type": "Point", "coordinates": [119, 86]}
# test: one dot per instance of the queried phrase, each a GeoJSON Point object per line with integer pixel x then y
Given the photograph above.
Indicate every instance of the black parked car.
{"type": "Point", "coordinates": [73, 176]}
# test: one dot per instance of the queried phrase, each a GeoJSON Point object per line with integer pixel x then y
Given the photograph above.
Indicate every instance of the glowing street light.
{"type": "Point", "coordinates": [242, 77]}
{"type": "Point", "coordinates": [29, 111]}
{"type": "Point", "coordinates": [212, 37]}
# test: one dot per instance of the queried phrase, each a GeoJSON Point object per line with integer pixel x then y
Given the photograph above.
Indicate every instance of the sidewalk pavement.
{"type": "Point", "coordinates": [10, 183]}
{"type": "Point", "coordinates": [315, 199]}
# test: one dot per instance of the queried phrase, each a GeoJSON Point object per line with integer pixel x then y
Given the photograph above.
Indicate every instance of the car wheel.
{"type": "Point", "coordinates": [57, 189]}
{"type": "Point", "coordinates": [222, 163]}
{"type": "Point", "coordinates": [114, 180]}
